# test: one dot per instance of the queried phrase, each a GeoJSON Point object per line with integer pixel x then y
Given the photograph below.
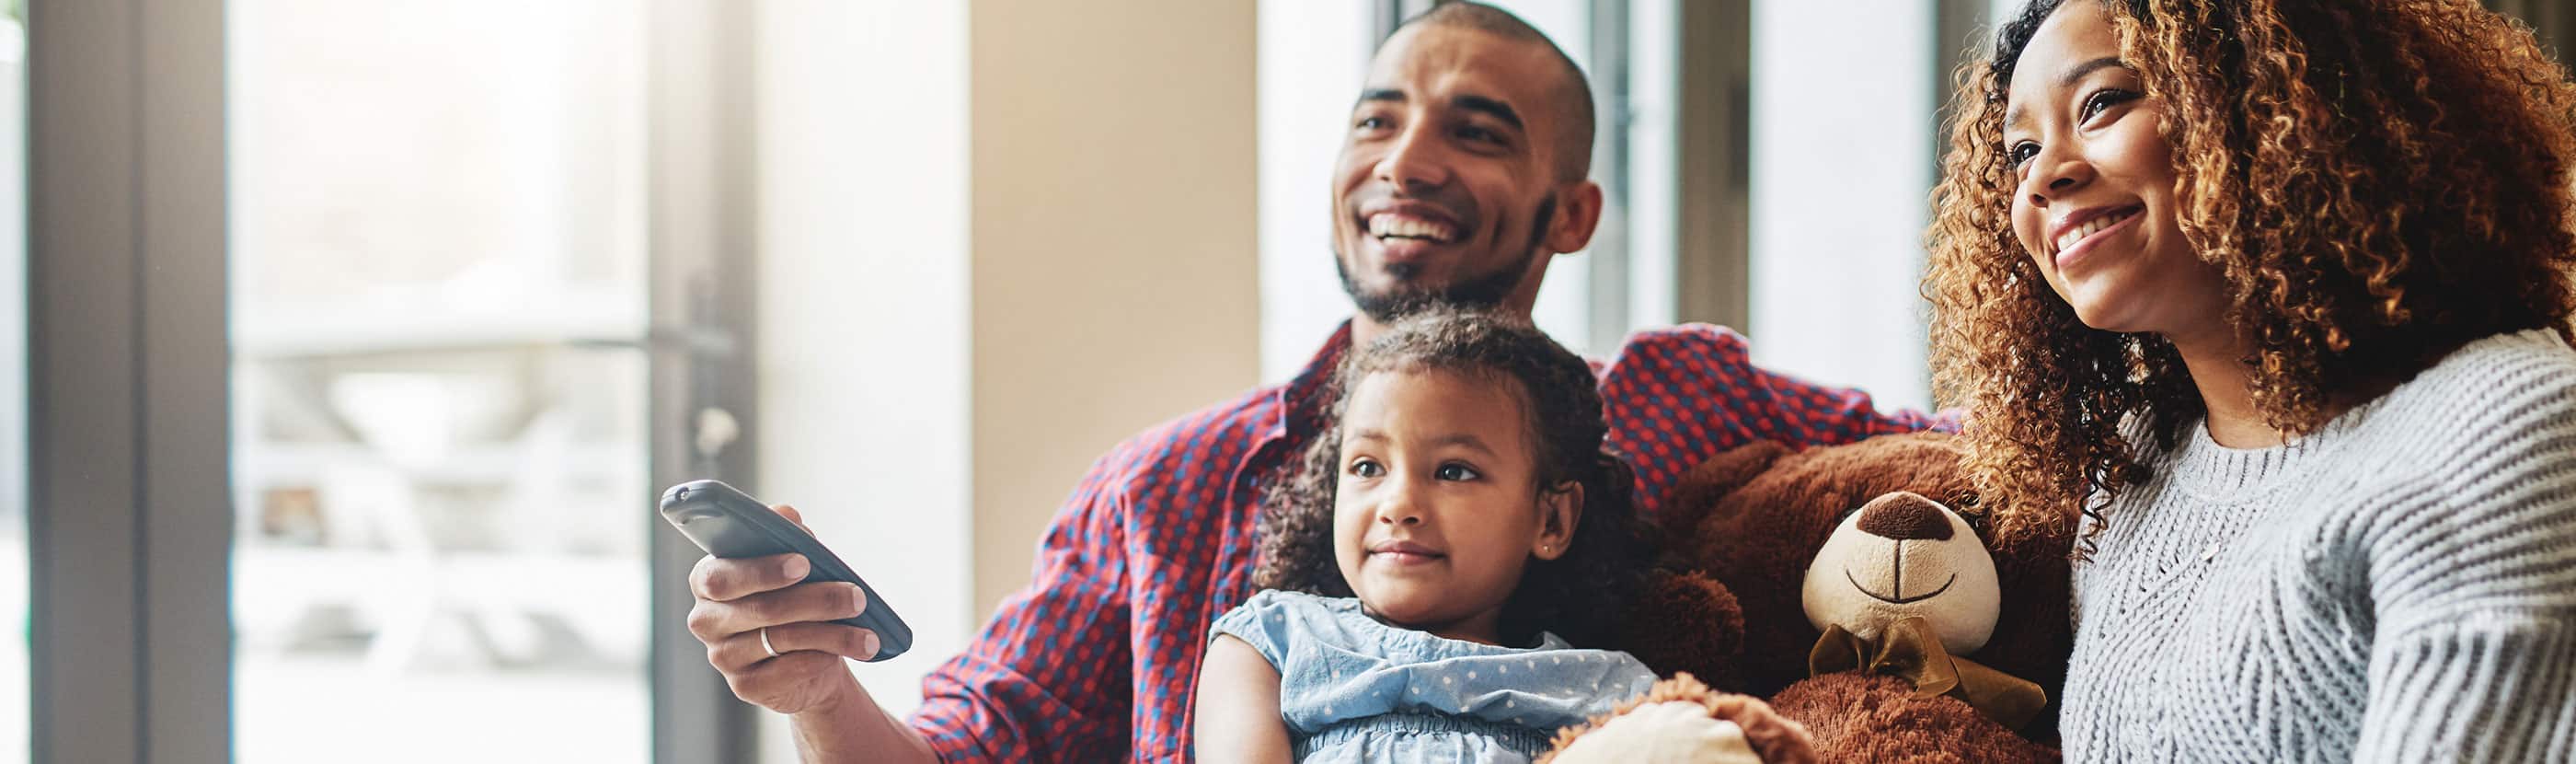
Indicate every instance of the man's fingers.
{"type": "Point", "coordinates": [792, 516]}
{"type": "Point", "coordinates": [724, 580]}
{"type": "Point", "coordinates": [744, 651]}
{"type": "Point", "coordinates": [716, 620]}
{"type": "Point", "coordinates": [772, 684]}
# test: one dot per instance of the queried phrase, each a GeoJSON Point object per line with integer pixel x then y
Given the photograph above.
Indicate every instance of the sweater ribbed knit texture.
{"type": "Point", "coordinates": [2398, 586]}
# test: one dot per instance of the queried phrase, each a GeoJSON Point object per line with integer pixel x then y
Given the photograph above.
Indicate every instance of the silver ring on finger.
{"type": "Point", "coordinates": [764, 643]}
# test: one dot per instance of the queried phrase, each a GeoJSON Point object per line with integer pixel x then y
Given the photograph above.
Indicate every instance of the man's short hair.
{"type": "Point", "coordinates": [1574, 146]}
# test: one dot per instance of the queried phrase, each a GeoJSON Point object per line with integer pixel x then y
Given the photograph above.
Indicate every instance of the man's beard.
{"type": "Point", "coordinates": [1470, 291]}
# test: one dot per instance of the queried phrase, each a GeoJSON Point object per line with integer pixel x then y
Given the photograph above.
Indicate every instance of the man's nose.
{"type": "Point", "coordinates": [1415, 161]}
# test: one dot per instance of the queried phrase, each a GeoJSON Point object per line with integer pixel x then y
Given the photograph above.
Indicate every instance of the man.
{"type": "Point", "coordinates": [1463, 170]}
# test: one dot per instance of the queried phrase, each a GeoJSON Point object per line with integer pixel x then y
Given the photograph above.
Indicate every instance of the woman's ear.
{"type": "Point", "coordinates": [1560, 510]}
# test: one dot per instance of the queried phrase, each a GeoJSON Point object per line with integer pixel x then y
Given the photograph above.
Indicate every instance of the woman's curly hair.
{"type": "Point", "coordinates": [2377, 182]}
{"type": "Point", "coordinates": [1576, 596]}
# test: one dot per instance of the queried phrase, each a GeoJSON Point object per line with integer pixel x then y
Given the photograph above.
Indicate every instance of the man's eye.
{"type": "Point", "coordinates": [1369, 123]}
{"type": "Point", "coordinates": [1367, 468]}
{"type": "Point", "coordinates": [1455, 472]}
{"type": "Point", "coordinates": [1479, 135]}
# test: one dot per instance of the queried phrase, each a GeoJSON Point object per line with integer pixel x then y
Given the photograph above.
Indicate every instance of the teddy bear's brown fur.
{"type": "Point", "coordinates": [1748, 522]}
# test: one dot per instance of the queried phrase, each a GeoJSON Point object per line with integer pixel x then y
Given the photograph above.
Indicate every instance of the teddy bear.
{"type": "Point", "coordinates": [1854, 588]}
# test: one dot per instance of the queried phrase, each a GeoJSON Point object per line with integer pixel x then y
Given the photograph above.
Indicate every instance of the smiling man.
{"type": "Point", "coordinates": [1463, 171]}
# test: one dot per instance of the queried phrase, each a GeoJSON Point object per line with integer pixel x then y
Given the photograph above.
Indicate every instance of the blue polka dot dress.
{"type": "Point", "coordinates": [1353, 689]}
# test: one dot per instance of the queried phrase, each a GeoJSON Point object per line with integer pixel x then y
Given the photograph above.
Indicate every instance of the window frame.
{"type": "Point", "coordinates": [130, 509]}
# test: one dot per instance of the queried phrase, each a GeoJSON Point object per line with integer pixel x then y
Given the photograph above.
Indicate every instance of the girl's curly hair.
{"type": "Point", "coordinates": [1579, 594]}
{"type": "Point", "coordinates": [2377, 182]}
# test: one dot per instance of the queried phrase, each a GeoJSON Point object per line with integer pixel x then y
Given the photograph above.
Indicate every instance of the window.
{"type": "Point", "coordinates": [438, 284]}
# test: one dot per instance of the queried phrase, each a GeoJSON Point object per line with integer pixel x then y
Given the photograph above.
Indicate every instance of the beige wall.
{"type": "Point", "coordinates": [1115, 248]}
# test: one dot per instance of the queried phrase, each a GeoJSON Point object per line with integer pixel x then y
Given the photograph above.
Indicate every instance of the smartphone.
{"type": "Point", "coordinates": [729, 524]}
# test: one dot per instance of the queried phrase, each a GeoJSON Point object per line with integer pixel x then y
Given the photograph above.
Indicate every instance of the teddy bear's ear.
{"type": "Point", "coordinates": [1721, 475]}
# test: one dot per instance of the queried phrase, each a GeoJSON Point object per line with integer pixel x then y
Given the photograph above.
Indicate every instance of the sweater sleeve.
{"type": "Point", "coordinates": [2474, 652]}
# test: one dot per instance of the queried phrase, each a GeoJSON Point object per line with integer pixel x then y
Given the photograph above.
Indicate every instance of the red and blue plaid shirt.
{"type": "Point", "coordinates": [1098, 658]}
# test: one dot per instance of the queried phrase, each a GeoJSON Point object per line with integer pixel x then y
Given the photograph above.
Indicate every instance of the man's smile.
{"type": "Point", "coordinates": [1392, 225]}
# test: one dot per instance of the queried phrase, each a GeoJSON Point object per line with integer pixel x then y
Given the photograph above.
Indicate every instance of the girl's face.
{"type": "Point", "coordinates": [2096, 205]}
{"type": "Point", "coordinates": [1438, 506]}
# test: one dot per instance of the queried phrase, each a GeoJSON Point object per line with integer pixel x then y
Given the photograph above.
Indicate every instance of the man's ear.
{"type": "Point", "coordinates": [1578, 214]}
{"type": "Point", "coordinates": [1560, 510]}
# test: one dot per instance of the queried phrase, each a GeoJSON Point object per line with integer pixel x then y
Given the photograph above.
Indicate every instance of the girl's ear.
{"type": "Point", "coordinates": [1560, 510]}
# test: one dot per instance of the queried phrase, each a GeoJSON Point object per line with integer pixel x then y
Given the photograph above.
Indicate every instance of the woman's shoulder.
{"type": "Point", "coordinates": [2479, 456]}
{"type": "Point", "coordinates": [2501, 396]}
{"type": "Point", "coordinates": [2533, 368]}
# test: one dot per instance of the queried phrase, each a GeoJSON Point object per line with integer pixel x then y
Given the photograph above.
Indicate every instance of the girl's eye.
{"type": "Point", "coordinates": [1459, 472]}
{"type": "Point", "coordinates": [2102, 100]}
{"type": "Point", "coordinates": [2022, 152]}
{"type": "Point", "coordinates": [1366, 468]}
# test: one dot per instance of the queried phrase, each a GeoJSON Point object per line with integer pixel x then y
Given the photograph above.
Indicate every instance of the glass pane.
{"type": "Point", "coordinates": [14, 689]}
{"type": "Point", "coordinates": [439, 418]}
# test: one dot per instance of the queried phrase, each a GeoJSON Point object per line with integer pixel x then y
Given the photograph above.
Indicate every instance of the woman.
{"type": "Point", "coordinates": [2267, 301]}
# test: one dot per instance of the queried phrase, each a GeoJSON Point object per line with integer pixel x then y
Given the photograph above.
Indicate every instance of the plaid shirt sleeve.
{"type": "Point", "coordinates": [1047, 679]}
{"type": "Point", "coordinates": [1715, 365]}
{"type": "Point", "coordinates": [1681, 395]}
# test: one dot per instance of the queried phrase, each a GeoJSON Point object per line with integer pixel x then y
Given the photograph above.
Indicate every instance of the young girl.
{"type": "Point", "coordinates": [1455, 531]}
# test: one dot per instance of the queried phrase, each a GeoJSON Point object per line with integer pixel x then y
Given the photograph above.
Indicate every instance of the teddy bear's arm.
{"type": "Point", "coordinates": [1238, 705]}
{"type": "Point", "coordinates": [1682, 720]}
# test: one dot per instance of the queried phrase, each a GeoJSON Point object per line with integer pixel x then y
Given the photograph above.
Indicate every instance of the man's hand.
{"type": "Point", "coordinates": [738, 599]}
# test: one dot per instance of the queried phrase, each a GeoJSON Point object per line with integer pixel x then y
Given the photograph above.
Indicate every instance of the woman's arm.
{"type": "Point", "coordinates": [2474, 655]}
{"type": "Point", "coordinates": [1238, 705]}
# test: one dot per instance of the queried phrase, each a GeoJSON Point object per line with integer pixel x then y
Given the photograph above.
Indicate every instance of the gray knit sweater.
{"type": "Point", "coordinates": [2397, 586]}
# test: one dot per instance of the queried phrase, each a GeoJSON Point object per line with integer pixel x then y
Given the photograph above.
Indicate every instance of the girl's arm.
{"type": "Point", "coordinates": [1238, 706]}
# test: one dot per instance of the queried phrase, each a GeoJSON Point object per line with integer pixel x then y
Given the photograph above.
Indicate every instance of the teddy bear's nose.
{"type": "Point", "coordinates": [1904, 517]}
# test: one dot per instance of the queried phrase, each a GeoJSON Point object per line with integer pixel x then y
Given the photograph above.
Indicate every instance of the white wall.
{"type": "Point", "coordinates": [863, 305]}
{"type": "Point", "coordinates": [1842, 171]}
{"type": "Point", "coordinates": [1313, 54]}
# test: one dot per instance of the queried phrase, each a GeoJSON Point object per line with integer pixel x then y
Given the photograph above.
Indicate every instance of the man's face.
{"type": "Point", "coordinates": [1447, 189]}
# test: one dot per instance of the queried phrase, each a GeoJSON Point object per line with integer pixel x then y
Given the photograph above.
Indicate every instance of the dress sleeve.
{"type": "Point", "coordinates": [1264, 621]}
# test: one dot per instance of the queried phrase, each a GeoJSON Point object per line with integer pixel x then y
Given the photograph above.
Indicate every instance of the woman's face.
{"type": "Point", "coordinates": [2095, 206]}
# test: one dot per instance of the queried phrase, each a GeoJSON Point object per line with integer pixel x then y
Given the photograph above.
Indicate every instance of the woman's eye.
{"type": "Point", "coordinates": [1366, 468]}
{"type": "Point", "coordinates": [2022, 152]}
{"type": "Point", "coordinates": [2102, 100]}
{"type": "Point", "coordinates": [1455, 472]}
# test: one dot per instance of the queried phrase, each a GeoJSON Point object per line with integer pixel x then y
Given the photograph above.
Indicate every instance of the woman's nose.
{"type": "Point", "coordinates": [2054, 174]}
